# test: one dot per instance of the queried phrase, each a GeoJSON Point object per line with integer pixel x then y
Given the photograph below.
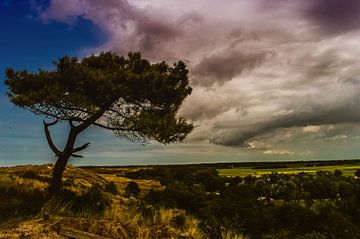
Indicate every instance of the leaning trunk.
{"type": "Point", "coordinates": [60, 165]}
{"type": "Point", "coordinates": [59, 168]}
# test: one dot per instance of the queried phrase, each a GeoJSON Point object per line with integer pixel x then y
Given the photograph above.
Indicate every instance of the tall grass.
{"type": "Point", "coordinates": [231, 235]}
{"type": "Point", "coordinates": [159, 224]}
{"type": "Point", "coordinates": [98, 209]}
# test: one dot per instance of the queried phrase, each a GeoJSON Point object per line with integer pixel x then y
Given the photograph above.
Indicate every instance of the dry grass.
{"type": "Point", "coordinates": [231, 235]}
{"type": "Point", "coordinates": [122, 182]}
{"type": "Point", "coordinates": [123, 219]}
{"type": "Point", "coordinates": [158, 225]}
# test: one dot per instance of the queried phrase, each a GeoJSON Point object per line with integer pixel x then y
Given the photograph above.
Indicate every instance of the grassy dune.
{"type": "Point", "coordinates": [24, 213]}
{"type": "Point", "coordinates": [186, 199]}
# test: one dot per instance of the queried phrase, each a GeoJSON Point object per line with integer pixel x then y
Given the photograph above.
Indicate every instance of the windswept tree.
{"type": "Point", "coordinates": [134, 98]}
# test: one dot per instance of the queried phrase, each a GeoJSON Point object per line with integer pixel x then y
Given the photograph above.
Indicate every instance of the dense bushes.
{"type": "Point", "coordinates": [271, 206]}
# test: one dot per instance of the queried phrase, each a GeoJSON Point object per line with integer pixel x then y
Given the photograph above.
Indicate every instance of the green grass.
{"type": "Point", "coordinates": [347, 169]}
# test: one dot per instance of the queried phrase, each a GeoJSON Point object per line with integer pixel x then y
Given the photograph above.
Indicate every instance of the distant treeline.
{"type": "Point", "coordinates": [301, 206]}
{"type": "Point", "coordinates": [254, 165]}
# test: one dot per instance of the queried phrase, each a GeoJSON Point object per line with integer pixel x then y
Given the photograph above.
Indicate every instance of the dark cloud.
{"type": "Point", "coordinates": [335, 16]}
{"type": "Point", "coordinates": [130, 27]}
{"type": "Point", "coordinates": [153, 32]}
{"type": "Point", "coordinates": [331, 16]}
{"type": "Point", "coordinates": [224, 67]}
{"type": "Point", "coordinates": [343, 113]}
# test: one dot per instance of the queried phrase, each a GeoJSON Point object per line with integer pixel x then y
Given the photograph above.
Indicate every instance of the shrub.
{"type": "Point", "coordinates": [111, 188]}
{"type": "Point", "coordinates": [132, 189]}
{"type": "Point", "coordinates": [338, 173]}
{"type": "Point", "coordinates": [93, 201]}
{"type": "Point", "coordinates": [179, 221]}
{"type": "Point", "coordinates": [19, 200]}
{"type": "Point", "coordinates": [32, 174]}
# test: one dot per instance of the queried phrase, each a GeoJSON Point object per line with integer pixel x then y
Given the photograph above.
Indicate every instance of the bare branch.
{"type": "Point", "coordinates": [48, 137]}
{"type": "Point", "coordinates": [84, 146]}
{"type": "Point", "coordinates": [77, 156]}
{"type": "Point", "coordinates": [52, 123]}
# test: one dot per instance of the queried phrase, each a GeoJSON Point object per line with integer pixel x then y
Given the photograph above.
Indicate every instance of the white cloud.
{"type": "Point", "coordinates": [278, 152]}
{"type": "Point", "coordinates": [311, 129]}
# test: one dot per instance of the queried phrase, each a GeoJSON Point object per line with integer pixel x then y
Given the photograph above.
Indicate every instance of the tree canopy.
{"type": "Point", "coordinates": [134, 98]}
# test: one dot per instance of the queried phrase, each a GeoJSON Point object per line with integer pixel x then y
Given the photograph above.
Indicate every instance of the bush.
{"type": "Point", "coordinates": [93, 201]}
{"type": "Point", "coordinates": [31, 174]}
{"type": "Point", "coordinates": [338, 173]}
{"type": "Point", "coordinates": [111, 188]}
{"type": "Point", "coordinates": [19, 201]}
{"type": "Point", "coordinates": [179, 221]}
{"type": "Point", "coordinates": [132, 189]}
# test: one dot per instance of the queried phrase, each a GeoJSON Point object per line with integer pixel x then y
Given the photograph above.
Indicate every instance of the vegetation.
{"type": "Point", "coordinates": [134, 98]}
{"type": "Point", "coordinates": [270, 206]}
{"type": "Point", "coordinates": [348, 169]}
{"type": "Point", "coordinates": [84, 204]}
{"type": "Point", "coordinates": [188, 201]}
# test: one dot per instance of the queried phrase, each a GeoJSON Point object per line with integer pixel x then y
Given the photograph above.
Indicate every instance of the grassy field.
{"type": "Point", "coordinates": [95, 200]}
{"type": "Point", "coordinates": [87, 205]}
{"type": "Point", "coordinates": [242, 171]}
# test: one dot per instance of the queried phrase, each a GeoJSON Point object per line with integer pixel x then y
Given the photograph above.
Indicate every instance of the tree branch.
{"type": "Point", "coordinates": [89, 121]}
{"type": "Point", "coordinates": [48, 137]}
{"type": "Point", "coordinates": [71, 123]}
{"type": "Point", "coordinates": [107, 127]}
{"type": "Point", "coordinates": [77, 156]}
{"type": "Point", "coordinates": [77, 149]}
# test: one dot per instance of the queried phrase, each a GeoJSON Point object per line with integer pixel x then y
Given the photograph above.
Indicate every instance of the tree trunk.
{"type": "Point", "coordinates": [58, 171]}
{"type": "Point", "coordinates": [69, 150]}
{"type": "Point", "coordinates": [59, 168]}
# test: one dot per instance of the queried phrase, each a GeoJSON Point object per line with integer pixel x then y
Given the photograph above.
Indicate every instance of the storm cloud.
{"type": "Point", "coordinates": [224, 67]}
{"type": "Point", "coordinates": [332, 114]}
{"type": "Point", "coordinates": [335, 16]}
{"type": "Point", "coordinates": [326, 16]}
{"type": "Point", "coordinates": [258, 67]}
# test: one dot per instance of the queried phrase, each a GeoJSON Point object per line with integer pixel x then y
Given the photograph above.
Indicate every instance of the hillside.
{"type": "Point", "coordinates": [299, 200]}
{"type": "Point", "coordinates": [91, 203]}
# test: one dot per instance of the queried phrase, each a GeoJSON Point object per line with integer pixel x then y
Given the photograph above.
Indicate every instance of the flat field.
{"type": "Point", "coordinates": [348, 169]}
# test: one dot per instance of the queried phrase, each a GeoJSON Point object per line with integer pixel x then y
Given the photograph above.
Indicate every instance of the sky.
{"type": "Point", "coordinates": [272, 79]}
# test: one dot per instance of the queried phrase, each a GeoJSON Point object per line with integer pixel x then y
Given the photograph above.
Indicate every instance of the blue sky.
{"type": "Point", "coordinates": [271, 82]}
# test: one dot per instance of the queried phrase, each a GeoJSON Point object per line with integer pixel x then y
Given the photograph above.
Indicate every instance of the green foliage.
{"type": "Point", "coordinates": [271, 206]}
{"type": "Point", "coordinates": [337, 173]}
{"type": "Point", "coordinates": [138, 99]}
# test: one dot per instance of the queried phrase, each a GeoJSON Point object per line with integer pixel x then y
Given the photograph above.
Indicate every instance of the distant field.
{"type": "Point", "coordinates": [347, 169]}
